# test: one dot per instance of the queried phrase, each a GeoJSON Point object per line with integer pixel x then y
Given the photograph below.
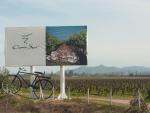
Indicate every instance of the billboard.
{"type": "Point", "coordinates": [25, 46]}
{"type": "Point", "coordinates": [66, 45]}
{"type": "Point", "coordinates": [46, 46]}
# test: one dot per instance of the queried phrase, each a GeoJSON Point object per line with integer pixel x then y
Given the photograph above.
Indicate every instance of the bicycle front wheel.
{"type": "Point", "coordinates": [43, 89]}
{"type": "Point", "coordinates": [11, 84]}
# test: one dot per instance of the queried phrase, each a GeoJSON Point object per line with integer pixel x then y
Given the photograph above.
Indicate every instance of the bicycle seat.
{"type": "Point", "coordinates": [38, 72]}
{"type": "Point", "coordinates": [45, 77]}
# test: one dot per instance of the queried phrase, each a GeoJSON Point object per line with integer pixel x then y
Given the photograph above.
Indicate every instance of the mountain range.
{"type": "Point", "coordinates": [101, 69]}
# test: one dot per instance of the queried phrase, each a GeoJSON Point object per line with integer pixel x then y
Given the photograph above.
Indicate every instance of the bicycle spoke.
{"type": "Point", "coordinates": [43, 86]}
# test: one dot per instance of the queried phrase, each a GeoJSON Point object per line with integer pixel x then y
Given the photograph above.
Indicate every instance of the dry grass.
{"type": "Point", "coordinates": [17, 104]}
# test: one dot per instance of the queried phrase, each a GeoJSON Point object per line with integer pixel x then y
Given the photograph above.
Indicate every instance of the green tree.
{"type": "Point", "coordinates": [78, 40]}
{"type": "Point", "coordinates": [52, 43]}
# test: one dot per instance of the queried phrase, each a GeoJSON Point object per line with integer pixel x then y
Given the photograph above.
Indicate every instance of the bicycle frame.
{"type": "Point", "coordinates": [37, 77]}
{"type": "Point", "coordinates": [40, 82]}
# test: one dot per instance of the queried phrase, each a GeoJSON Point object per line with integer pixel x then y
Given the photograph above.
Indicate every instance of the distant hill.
{"type": "Point", "coordinates": [101, 69]}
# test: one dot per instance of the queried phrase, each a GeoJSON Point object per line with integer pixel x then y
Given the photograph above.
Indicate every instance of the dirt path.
{"type": "Point", "coordinates": [114, 101]}
{"type": "Point", "coordinates": [118, 101]}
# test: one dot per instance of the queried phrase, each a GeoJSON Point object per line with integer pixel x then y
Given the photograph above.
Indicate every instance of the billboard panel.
{"type": "Point", "coordinates": [46, 46]}
{"type": "Point", "coordinates": [25, 46]}
{"type": "Point", "coordinates": [66, 45]}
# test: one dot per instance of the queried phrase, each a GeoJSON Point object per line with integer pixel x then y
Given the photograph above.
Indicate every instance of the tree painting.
{"type": "Point", "coordinates": [66, 45]}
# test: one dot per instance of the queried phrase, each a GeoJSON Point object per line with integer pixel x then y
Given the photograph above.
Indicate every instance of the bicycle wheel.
{"type": "Point", "coordinates": [43, 89]}
{"type": "Point", "coordinates": [11, 84]}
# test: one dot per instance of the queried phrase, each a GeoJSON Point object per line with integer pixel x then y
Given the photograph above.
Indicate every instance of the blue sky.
{"type": "Point", "coordinates": [63, 32]}
{"type": "Point", "coordinates": [118, 30]}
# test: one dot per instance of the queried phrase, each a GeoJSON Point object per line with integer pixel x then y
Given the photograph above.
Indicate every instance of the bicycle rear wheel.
{"type": "Point", "coordinates": [43, 89]}
{"type": "Point", "coordinates": [11, 84]}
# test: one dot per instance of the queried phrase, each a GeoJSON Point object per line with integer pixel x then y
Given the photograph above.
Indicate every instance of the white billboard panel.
{"type": "Point", "coordinates": [25, 46]}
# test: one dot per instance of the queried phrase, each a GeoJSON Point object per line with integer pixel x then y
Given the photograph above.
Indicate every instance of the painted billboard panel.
{"type": "Point", "coordinates": [25, 46]}
{"type": "Point", "coordinates": [46, 46]}
{"type": "Point", "coordinates": [66, 45]}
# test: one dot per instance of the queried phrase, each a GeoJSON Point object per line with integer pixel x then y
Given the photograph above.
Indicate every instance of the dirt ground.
{"type": "Point", "coordinates": [16, 104]}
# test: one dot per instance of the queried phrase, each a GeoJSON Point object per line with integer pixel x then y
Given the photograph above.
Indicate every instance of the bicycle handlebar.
{"type": "Point", "coordinates": [22, 69]}
{"type": "Point", "coordinates": [40, 74]}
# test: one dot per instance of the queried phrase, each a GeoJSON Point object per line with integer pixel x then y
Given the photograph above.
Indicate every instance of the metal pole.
{"type": "Point", "coordinates": [62, 94]}
{"type": "Point", "coordinates": [41, 93]}
{"type": "Point", "coordinates": [32, 77]}
{"type": "Point", "coordinates": [139, 100]}
{"type": "Point", "coordinates": [110, 96]}
{"type": "Point", "coordinates": [69, 97]}
{"type": "Point", "coordinates": [88, 92]}
{"type": "Point", "coordinates": [53, 93]}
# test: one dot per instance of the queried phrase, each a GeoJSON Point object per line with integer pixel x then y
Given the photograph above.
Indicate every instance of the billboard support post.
{"type": "Point", "coordinates": [62, 94]}
{"type": "Point", "coordinates": [32, 77]}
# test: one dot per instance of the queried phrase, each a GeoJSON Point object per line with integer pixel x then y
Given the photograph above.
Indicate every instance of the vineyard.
{"type": "Point", "coordinates": [120, 86]}
{"type": "Point", "coordinates": [101, 86]}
